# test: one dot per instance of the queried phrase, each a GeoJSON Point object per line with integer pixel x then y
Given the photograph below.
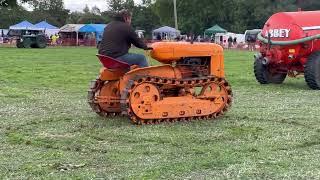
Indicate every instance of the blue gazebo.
{"type": "Point", "coordinates": [92, 28]}
{"type": "Point", "coordinates": [47, 28]}
{"type": "Point", "coordinates": [96, 29]}
{"type": "Point", "coordinates": [23, 25]}
{"type": "Point", "coordinates": [45, 25]}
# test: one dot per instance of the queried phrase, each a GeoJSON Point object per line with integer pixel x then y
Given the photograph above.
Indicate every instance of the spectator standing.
{"type": "Point", "coordinates": [230, 41]}
{"type": "Point", "coordinates": [53, 40]}
{"type": "Point", "coordinates": [199, 38]}
{"type": "Point", "coordinates": [58, 39]}
{"type": "Point", "coordinates": [251, 43]}
{"type": "Point", "coordinates": [159, 37]}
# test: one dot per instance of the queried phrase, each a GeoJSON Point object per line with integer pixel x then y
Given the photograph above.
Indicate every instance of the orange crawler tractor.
{"type": "Point", "coordinates": [189, 85]}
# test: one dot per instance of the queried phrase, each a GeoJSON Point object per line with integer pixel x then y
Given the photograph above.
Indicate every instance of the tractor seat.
{"type": "Point", "coordinates": [111, 63]}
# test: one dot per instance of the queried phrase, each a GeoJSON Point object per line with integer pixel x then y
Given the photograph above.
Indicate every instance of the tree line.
{"type": "Point", "coordinates": [194, 16]}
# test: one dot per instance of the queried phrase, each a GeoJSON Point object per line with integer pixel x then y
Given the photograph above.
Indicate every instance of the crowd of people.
{"type": "Point", "coordinates": [232, 42]}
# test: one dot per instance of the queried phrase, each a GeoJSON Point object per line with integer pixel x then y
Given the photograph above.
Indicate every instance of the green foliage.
{"type": "Point", "coordinates": [145, 18]}
{"type": "Point", "coordinates": [86, 9]}
{"type": "Point", "coordinates": [51, 10]}
{"type": "Point", "coordinates": [117, 5]}
{"type": "Point", "coordinates": [11, 3]}
{"type": "Point", "coordinates": [309, 4]}
{"type": "Point", "coordinates": [88, 16]}
{"type": "Point", "coordinates": [11, 16]}
{"type": "Point", "coordinates": [164, 9]}
{"type": "Point", "coordinates": [8, 3]}
{"type": "Point", "coordinates": [47, 5]}
{"type": "Point", "coordinates": [74, 17]}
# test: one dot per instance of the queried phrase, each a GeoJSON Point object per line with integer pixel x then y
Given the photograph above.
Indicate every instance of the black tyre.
{"type": "Point", "coordinates": [312, 71]}
{"type": "Point", "coordinates": [264, 76]}
{"type": "Point", "coordinates": [27, 42]}
{"type": "Point", "coordinates": [41, 41]}
{"type": "Point", "coordinates": [19, 44]}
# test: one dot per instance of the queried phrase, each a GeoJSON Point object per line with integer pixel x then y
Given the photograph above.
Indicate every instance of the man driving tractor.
{"type": "Point", "coordinates": [118, 37]}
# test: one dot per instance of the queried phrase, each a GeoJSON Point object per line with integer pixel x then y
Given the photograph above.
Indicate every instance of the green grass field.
{"type": "Point", "coordinates": [48, 131]}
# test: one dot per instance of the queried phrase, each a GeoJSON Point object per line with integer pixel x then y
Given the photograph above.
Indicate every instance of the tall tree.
{"type": "Point", "coordinates": [117, 5]}
{"type": "Point", "coordinates": [11, 16]}
{"type": "Point", "coordinates": [145, 18]}
{"type": "Point", "coordinates": [51, 10]}
{"type": "Point", "coordinates": [74, 17]}
{"type": "Point", "coordinates": [91, 16]}
{"type": "Point", "coordinates": [11, 3]}
{"type": "Point", "coordinates": [164, 10]}
{"type": "Point", "coordinates": [95, 10]}
{"type": "Point", "coordinates": [88, 16]}
{"type": "Point", "coordinates": [86, 9]}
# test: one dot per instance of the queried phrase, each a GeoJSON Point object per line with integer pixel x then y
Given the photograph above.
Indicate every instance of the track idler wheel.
{"type": "Point", "coordinates": [104, 89]}
{"type": "Point", "coordinates": [218, 93]}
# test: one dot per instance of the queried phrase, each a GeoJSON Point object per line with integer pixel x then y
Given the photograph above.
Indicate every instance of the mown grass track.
{"type": "Point", "coordinates": [47, 129]}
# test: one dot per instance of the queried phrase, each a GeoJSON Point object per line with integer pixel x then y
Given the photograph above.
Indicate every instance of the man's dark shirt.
{"type": "Point", "coordinates": [117, 39]}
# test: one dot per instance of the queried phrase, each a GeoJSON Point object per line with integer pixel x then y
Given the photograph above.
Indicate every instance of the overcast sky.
{"type": "Point", "coordinates": [78, 5]}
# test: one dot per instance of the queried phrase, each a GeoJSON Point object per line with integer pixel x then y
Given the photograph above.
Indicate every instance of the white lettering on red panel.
{"type": "Point", "coordinates": [278, 33]}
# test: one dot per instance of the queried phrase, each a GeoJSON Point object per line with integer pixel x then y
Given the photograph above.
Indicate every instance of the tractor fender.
{"type": "Point", "coordinates": [164, 71]}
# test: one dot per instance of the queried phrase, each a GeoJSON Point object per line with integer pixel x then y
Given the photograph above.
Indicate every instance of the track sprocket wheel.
{"type": "Point", "coordinates": [104, 89]}
{"type": "Point", "coordinates": [217, 92]}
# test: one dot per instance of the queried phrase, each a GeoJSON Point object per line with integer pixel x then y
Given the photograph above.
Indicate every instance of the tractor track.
{"type": "Point", "coordinates": [126, 110]}
{"type": "Point", "coordinates": [192, 82]}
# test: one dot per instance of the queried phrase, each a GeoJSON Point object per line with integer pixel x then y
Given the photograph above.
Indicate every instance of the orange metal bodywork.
{"type": "Point", "coordinates": [168, 52]}
{"type": "Point", "coordinates": [109, 74]}
{"type": "Point", "coordinates": [166, 71]}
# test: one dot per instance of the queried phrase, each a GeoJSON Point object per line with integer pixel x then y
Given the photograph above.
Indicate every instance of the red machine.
{"type": "Point", "coordinates": [290, 46]}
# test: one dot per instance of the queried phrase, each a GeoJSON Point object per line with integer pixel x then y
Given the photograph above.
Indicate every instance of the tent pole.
{"type": "Point", "coordinates": [77, 38]}
{"type": "Point", "coordinates": [175, 14]}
